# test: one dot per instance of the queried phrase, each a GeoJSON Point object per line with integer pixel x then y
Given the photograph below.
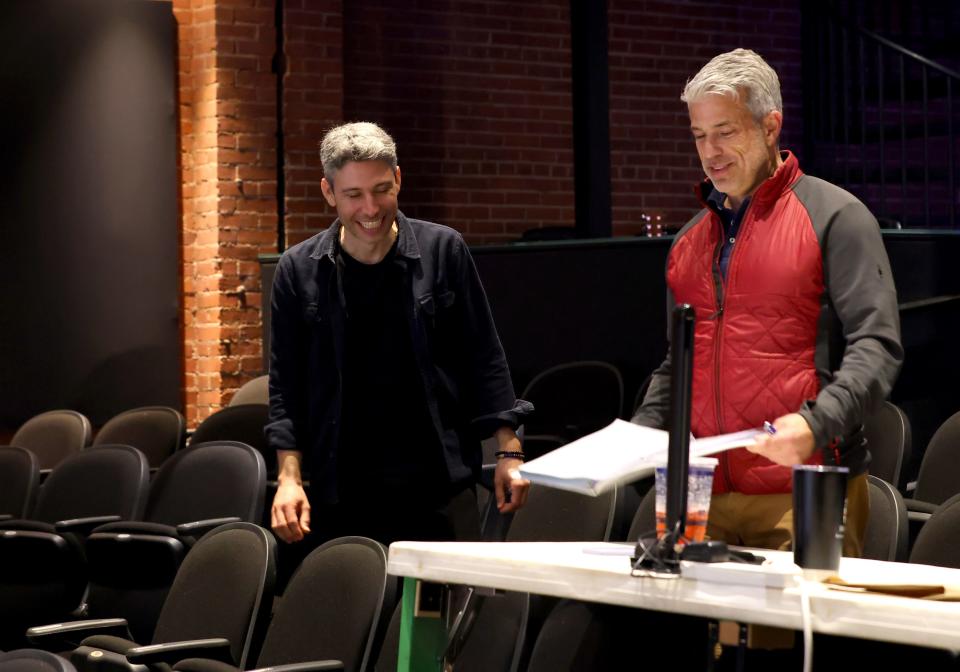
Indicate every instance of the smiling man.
{"type": "Point", "coordinates": [796, 310]}
{"type": "Point", "coordinates": [385, 367]}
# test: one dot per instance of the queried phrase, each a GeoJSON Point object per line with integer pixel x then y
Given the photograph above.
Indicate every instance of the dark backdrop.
{"type": "Point", "coordinates": [89, 244]}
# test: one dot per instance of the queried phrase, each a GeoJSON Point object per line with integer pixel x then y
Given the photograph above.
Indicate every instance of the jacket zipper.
{"type": "Point", "coordinates": [718, 316]}
{"type": "Point", "coordinates": [716, 391]}
{"type": "Point", "coordinates": [720, 289]}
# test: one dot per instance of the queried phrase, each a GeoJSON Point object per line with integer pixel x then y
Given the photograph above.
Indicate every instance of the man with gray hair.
{"type": "Point", "coordinates": [796, 311]}
{"type": "Point", "coordinates": [385, 367]}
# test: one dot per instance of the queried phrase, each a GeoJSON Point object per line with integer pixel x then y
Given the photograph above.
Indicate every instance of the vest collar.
{"type": "Point", "coordinates": [769, 190]}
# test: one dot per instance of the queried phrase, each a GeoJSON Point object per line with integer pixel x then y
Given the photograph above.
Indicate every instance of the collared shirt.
{"type": "Point", "coordinates": [731, 224]}
{"type": "Point", "coordinates": [466, 381]}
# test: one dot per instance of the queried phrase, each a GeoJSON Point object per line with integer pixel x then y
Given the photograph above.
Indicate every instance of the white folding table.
{"type": "Point", "coordinates": [768, 595]}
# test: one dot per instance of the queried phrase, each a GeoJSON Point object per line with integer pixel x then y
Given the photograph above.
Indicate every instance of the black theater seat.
{"type": "Point", "coordinates": [19, 482]}
{"type": "Point", "coordinates": [219, 600]}
{"type": "Point", "coordinates": [332, 615]}
{"type": "Point", "coordinates": [43, 573]}
{"type": "Point", "coordinates": [132, 563]}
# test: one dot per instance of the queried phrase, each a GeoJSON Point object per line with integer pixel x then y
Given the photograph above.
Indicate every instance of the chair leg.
{"type": "Point", "coordinates": [713, 639]}
{"type": "Point", "coordinates": [742, 648]}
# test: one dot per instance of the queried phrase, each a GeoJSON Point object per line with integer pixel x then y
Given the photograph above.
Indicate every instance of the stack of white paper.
{"type": "Point", "coordinates": [773, 573]}
{"type": "Point", "coordinates": [619, 453]}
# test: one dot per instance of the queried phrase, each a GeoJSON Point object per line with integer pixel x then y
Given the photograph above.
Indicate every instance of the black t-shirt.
{"type": "Point", "coordinates": [389, 448]}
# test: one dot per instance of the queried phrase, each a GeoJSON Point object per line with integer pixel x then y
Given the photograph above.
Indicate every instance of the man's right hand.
{"type": "Point", "coordinates": [290, 515]}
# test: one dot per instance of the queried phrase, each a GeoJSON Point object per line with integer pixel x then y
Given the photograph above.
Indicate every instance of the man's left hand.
{"type": "Point", "coordinates": [792, 444]}
{"type": "Point", "coordinates": [506, 479]}
{"type": "Point", "coordinates": [509, 488]}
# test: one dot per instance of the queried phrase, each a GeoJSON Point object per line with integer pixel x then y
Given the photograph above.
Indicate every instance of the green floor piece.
{"type": "Point", "coordinates": [422, 638]}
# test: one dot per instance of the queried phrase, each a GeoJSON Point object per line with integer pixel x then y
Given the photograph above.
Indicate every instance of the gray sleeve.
{"type": "Point", "coordinates": [862, 293]}
{"type": "Point", "coordinates": [655, 409]}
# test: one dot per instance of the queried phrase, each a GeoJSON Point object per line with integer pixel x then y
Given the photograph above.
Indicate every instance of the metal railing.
{"type": "Point", "coordinates": [881, 121]}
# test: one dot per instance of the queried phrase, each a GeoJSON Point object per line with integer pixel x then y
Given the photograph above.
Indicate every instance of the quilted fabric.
{"type": "Point", "coordinates": [755, 333]}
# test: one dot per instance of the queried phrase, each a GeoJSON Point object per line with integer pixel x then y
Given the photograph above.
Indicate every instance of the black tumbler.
{"type": "Point", "coordinates": [819, 497]}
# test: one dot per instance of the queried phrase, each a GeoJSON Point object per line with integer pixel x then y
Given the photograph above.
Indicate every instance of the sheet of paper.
{"type": "Point", "coordinates": [619, 453]}
{"type": "Point", "coordinates": [718, 444]}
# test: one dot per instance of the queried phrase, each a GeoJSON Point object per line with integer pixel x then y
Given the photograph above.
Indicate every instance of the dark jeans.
{"type": "Point", "coordinates": [386, 519]}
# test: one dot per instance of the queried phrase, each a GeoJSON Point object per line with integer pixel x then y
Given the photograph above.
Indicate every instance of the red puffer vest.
{"type": "Point", "coordinates": [756, 330]}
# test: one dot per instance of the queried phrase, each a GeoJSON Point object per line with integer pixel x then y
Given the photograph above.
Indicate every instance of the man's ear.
{"type": "Point", "coordinates": [772, 125]}
{"type": "Point", "coordinates": [396, 174]}
{"type": "Point", "coordinates": [327, 190]}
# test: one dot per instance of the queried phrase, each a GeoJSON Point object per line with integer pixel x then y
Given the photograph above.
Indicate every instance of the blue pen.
{"type": "Point", "coordinates": [769, 428]}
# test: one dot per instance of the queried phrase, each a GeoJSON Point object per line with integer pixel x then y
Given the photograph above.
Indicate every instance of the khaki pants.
{"type": "Point", "coordinates": [766, 521]}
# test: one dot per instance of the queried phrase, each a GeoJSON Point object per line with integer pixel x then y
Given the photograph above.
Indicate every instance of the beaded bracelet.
{"type": "Point", "coordinates": [515, 454]}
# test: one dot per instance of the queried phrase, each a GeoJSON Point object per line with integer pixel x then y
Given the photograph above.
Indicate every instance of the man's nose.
{"type": "Point", "coordinates": [369, 206]}
{"type": "Point", "coordinates": [710, 148]}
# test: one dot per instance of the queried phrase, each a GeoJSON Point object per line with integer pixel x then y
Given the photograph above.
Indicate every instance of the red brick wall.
{"type": "Point", "coordinates": [246, 181]}
{"type": "Point", "coordinates": [477, 95]}
{"type": "Point", "coordinates": [228, 163]}
{"type": "Point", "coordinates": [654, 48]}
{"type": "Point", "coordinates": [229, 170]}
{"type": "Point", "coordinates": [198, 164]}
{"type": "Point", "coordinates": [313, 102]}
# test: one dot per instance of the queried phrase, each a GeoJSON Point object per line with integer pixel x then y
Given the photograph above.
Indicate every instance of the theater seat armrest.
{"type": "Point", "coordinates": [62, 636]}
{"type": "Point", "coordinates": [6, 516]}
{"type": "Point", "coordinates": [216, 648]}
{"type": "Point", "coordinates": [318, 665]}
{"type": "Point", "coordinates": [83, 526]}
{"type": "Point", "coordinates": [198, 528]}
{"type": "Point", "coordinates": [919, 506]}
{"type": "Point", "coordinates": [918, 516]}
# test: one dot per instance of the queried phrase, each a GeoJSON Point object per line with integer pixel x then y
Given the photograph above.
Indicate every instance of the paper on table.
{"type": "Point", "coordinates": [619, 453]}
{"type": "Point", "coordinates": [772, 573]}
{"type": "Point", "coordinates": [923, 591]}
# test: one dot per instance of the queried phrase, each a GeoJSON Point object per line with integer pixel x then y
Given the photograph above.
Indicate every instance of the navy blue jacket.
{"type": "Point", "coordinates": [457, 350]}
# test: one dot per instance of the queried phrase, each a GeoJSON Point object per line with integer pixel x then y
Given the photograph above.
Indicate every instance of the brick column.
{"type": "Point", "coordinates": [198, 163]}
{"type": "Point", "coordinates": [228, 162]}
